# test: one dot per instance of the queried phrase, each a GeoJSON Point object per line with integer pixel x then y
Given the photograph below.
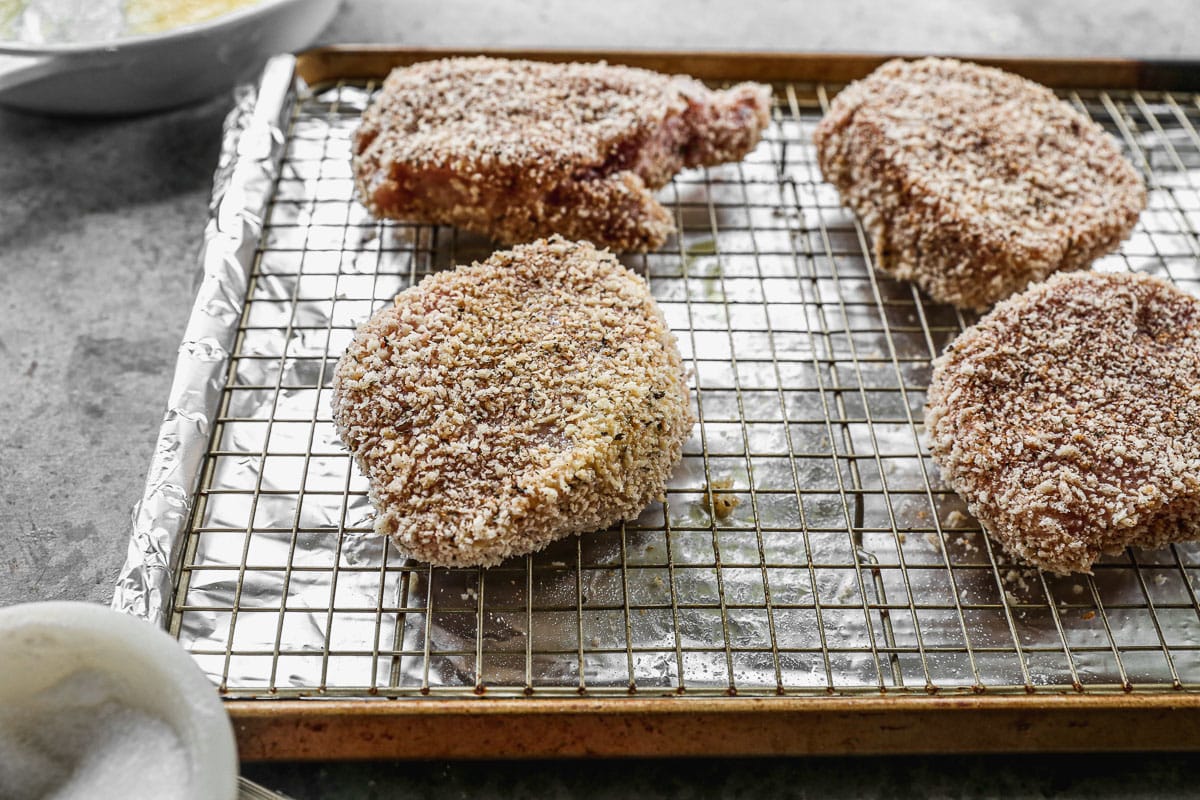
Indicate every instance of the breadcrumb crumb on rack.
{"type": "Point", "coordinates": [974, 182]}
{"type": "Point", "coordinates": [1069, 418]}
{"type": "Point", "coordinates": [498, 407]}
{"type": "Point", "coordinates": [723, 504]}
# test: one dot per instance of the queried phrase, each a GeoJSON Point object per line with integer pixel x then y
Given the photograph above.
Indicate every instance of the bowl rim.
{"type": "Point", "coordinates": [238, 16]}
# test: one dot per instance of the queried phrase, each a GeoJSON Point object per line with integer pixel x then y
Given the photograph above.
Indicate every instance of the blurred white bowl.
{"type": "Point", "coordinates": [95, 703]}
{"type": "Point", "coordinates": [162, 70]}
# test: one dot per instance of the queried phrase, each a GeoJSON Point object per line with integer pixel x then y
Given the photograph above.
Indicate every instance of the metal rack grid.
{"type": "Point", "coordinates": [846, 566]}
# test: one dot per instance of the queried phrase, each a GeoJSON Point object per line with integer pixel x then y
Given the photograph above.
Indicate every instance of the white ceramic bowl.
{"type": "Point", "coordinates": [146, 73]}
{"type": "Point", "coordinates": [67, 666]}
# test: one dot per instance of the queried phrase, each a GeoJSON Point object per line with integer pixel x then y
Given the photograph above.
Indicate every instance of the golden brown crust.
{"type": "Point", "coordinates": [1069, 418]}
{"type": "Point", "coordinates": [498, 407]}
{"type": "Point", "coordinates": [521, 149]}
{"type": "Point", "coordinates": [974, 182]}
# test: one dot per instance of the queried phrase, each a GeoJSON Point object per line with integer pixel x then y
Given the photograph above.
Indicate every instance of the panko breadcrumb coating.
{"type": "Point", "coordinates": [498, 407]}
{"type": "Point", "coordinates": [521, 149]}
{"type": "Point", "coordinates": [1069, 418]}
{"type": "Point", "coordinates": [974, 182]}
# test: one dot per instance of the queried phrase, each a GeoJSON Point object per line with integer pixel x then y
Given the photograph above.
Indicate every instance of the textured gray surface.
{"type": "Point", "coordinates": [100, 222]}
{"type": "Point", "coordinates": [1068, 777]}
{"type": "Point", "coordinates": [1144, 28]}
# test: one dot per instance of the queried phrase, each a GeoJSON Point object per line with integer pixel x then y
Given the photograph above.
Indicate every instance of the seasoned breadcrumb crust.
{"type": "Point", "coordinates": [1069, 418]}
{"type": "Point", "coordinates": [974, 182]}
{"type": "Point", "coordinates": [521, 149]}
{"type": "Point", "coordinates": [498, 407]}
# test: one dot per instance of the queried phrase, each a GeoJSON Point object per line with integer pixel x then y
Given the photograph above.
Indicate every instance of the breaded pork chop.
{"type": "Point", "coordinates": [521, 149]}
{"type": "Point", "coordinates": [974, 182]}
{"type": "Point", "coordinates": [1069, 418]}
{"type": "Point", "coordinates": [498, 407]}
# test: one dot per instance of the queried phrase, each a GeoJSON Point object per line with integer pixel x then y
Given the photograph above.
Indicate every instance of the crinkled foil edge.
{"type": "Point", "coordinates": [251, 153]}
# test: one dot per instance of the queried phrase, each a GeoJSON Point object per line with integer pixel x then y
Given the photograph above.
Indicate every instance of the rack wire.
{"type": "Point", "coordinates": [806, 544]}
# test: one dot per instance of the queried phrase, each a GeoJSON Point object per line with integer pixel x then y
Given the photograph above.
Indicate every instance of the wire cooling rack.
{"type": "Point", "coordinates": [806, 545]}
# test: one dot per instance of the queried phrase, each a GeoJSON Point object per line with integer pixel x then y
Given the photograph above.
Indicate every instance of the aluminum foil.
{"type": "Point", "coordinates": [845, 565]}
{"type": "Point", "coordinates": [252, 147]}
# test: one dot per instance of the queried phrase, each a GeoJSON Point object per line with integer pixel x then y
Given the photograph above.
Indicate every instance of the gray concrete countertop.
{"type": "Point", "coordinates": [100, 224]}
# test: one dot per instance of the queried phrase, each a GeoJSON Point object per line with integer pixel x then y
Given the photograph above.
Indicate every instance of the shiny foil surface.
{"type": "Point", "coordinates": [245, 178]}
{"type": "Point", "coordinates": [806, 544]}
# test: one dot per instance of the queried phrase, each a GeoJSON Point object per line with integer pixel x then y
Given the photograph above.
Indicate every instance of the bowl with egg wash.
{"type": "Point", "coordinates": [96, 703]}
{"type": "Point", "coordinates": [107, 57]}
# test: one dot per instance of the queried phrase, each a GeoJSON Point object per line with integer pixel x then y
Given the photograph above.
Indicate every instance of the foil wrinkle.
{"type": "Point", "coordinates": [252, 148]}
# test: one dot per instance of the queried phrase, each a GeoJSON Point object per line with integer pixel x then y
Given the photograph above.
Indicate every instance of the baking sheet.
{"type": "Point", "coordinates": [846, 566]}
